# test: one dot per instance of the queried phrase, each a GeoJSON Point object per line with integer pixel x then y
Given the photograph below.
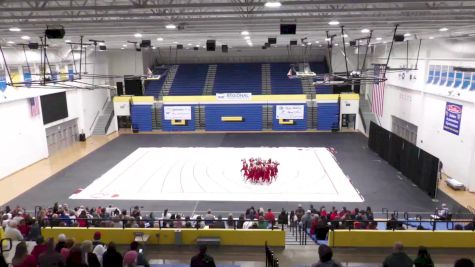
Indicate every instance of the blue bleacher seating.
{"type": "Point", "coordinates": [280, 83]}
{"type": "Point", "coordinates": [466, 80]}
{"type": "Point", "coordinates": [238, 78]}
{"type": "Point", "coordinates": [154, 87]}
{"type": "Point", "coordinates": [189, 79]}
{"type": "Point", "coordinates": [321, 68]}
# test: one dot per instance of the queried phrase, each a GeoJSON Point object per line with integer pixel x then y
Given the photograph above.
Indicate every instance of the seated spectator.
{"type": "Point", "coordinates": [111, 257]}
{"type": "Point", "coordinates": [219, 223]}
{"type": "Point", "coordinates": [12, 232]}
{"type": "Point", "coordinates": [90, 258]}
{"type": "Point", "coordinates": [398, 258]}
{"type": "Point", "coordinates": [369, 214]}
{"type": "Point", "coordinates": [230, 221]}
{"type": "Point", "coordinates": [392, 223]}
{"type": "Point", "coordinates": [463, 263]}
{"type": "Point", "coordinates": [262, 224]}
{"type": "Point", "coordinates": [97, 239]}
{"type": "Point", "coordinates": [325, 255]}
{"type": "Point", "coordinates": [423, 258]}
{"type": "Point", "coordinates": [199, 223]}
{"type": "Point", "coordinates": [202, 259]}
{"type": "Point", "coordinates": [270, 217]}
{"type": "Point", "coordinates": [241, 221]}
{"type": "Point", "coordinates": [188, 222]}
{"type": "Point", "coordinates": [39, 248]}
{"type": "Point", "coordinates": [22, 258]}
{"type": "Point", "coordinates": [50, 257]}
{"type": "Point", "coordinates": [61, 242]}
{"type": "Point", "coordinates": [471, 225]}
{"type": "Point", "coordinates": [209, 218]}
{"type": "Point", "coordinates": [23, 227]}
{"type": "Point", "coordinates": [178, 223]}
{"type": "Point", "coordinates": [133, 257]}
{"type": "Point", "coordinates": [283, 217]}
{"type": "Point", "coordinates": [67, 248]}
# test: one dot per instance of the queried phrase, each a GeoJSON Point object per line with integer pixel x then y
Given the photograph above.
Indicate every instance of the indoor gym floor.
{"type": "Point", "coordinates": [381, 185]}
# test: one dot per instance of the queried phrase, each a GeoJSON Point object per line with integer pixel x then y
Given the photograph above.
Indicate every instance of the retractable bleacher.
{"type": "Point", "coordinates": [238, 78]}
{"type": "Point", "coordinates": [189, 79]}
{"type": "Point", "coordinates": [280, 83]}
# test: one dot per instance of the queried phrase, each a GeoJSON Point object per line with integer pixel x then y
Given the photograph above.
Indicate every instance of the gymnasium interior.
{"type": "Point", "coordinates": [264, 131]}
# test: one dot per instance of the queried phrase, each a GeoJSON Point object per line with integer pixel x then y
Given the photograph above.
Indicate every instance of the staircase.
{"type": "Point", "coordinates": [157, 116]}
{"type": "Point", "coordinates": [290, 238]}
{"type": "Point", "coordinates": [266, 84]}
{"type": "Point", "coordinates": [267, 117]}
{"type": "Point", "coordinates": [200, 117]}
{"type": "Point", "coordinates": [100, 127]}
{"type": "Point", "coordinates": [307, 86]}
{"type": "Point", "coordinates": [169, 80]}
{"type": "Point", "coordinates": [209, 82]}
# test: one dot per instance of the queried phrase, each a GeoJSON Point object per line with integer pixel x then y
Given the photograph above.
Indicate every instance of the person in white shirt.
{"type": "Point", "coordinates": [12, 232]}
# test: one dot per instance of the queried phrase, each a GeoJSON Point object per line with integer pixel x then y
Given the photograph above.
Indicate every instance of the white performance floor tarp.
{"type": "Point", "coordinates": [213, 174]}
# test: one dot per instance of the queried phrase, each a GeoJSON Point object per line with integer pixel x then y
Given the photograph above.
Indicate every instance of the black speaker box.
{"type": "Point", "coordinates": [196, 48]}
{"type": "Point", "coordinates": [102, 48]}
{"type": "Point", "coordinates": [288, 28]}
{"type": "Point", "coordinates": [179, 46]}
{"type": "Point", "coordinates": [224, 48]}
{"type": "Point", "coordinates": [210, 45]}
{"type": "Point", "coordinates": [352, 43]}
{"type": "Point", "coordinates": [145, 43]}
{"type": "Point", "coordinates": [399, 38]}
{"type": "Point", "coordinates": [272, 40]}
{"type": "Point", "coordinates": [267, 45]}
{"type": "Point", "coordinates": [55, 33]}
{"type": "Point", "coordinates": [293, 42]}
{"type": "Point", "coordinates": [33, 45]}
{"type": "Point", "coordinates": [120, 88]}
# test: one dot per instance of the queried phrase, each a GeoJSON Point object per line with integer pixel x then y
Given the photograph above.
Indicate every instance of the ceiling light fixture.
{"type": "Point", "coordinates": [334, 22]}
{"type": "Point", "coordinates": [443, 29]}
{"type": "Point", "coordinates": [67, 41]}
{"type": "Point", "coordinates": [122, 48]}
{"type": "Point", "coordinates": [138, 35]}
{"type": "Point", "coordinates": [327, 39]}
{"type": "Point", "coordinates": [273, 4]}
{"type": "Point", "coordinates": [15, 29]}
{"type": "Point", "coordinates": [336, 44]}
{"type": "Point", "coordinates": [101, 43]}
{"type": "Point", "coordinates": [124, 45]}
{"type": "Point", "coordinates": [10, 42]}
{"type": "Point", "coordinates": [159, 39]}
{"type": "Point", "coordinates": [317, 42]}
{"type": "Point", "coordinates": [407, 34]}
{"type": "Point", "coordinates": [379, 39]}
{"type": "Point", "coordinates": [345, 35]}
{"type": "Point", "coordinates": [175, 42]}
{"type": "Point", "coordinates": [25, 37]}
{"type": "Point", "coordinates": [153, 47]}
{"type": "Point", "coordinates": [170, 26]}
{"type": "Point", "coordinates": [247, 38]}
{"type": "Point", "coordinates": [244, 33]}
{"type": "Point", "coordinates": [431, 38]}
{"type": "Point", "coordinates": [365, 31]}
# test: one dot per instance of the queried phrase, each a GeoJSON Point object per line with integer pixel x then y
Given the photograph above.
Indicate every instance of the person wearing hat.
{"type": "Point", "coordinates": [96, 240]}
{"type": "Point", "coordinates": [325, 255]}
{"type": "Point", "coordinates": [202, 259]}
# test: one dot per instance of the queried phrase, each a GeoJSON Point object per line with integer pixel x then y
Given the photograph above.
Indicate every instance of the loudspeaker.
{"type": "Point", "coordinates": [120, 88]}
{"type": "Point", "coordinates": [179, 46]}
{"type": "Point", "coordinates": [267, 45]}
{"type": "Point", "coordinates": [264, 47]}
{"type": "Point", "coordinates": [352, 43]}
{"type": "Point", "coordinates": [145, 43]}
{"type": "Point", "coordinates": [102, 48]}
{"type": "Point", "coordinates": [210, 45]}
{"type": "Point", "coordinates": [293, 42]}
{"type": "Point", "coordinates": [288, 28]}
{"type": "Point", "coordinates": [399, 38]}
{"type": "Point", "coordinates": [224, 48]}
{"type": "Point", "coordinates": [55, 33]}
{"type": "Point", "coordinates": [272, 40]}
{"type": "Point", "coordinates": [195, 48]}
{"type": "Point", "coordinates": [33, 45]}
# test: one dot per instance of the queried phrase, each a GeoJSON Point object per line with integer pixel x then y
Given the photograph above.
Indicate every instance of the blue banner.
{"type": "Point", "coordinates": [27, 76]}
{"type": "Point", "coordinates": [3, 80]}
{"type": "Point", "coordinates": [70, 73]}
{"type": "Point", "coordinates": [453, 116]}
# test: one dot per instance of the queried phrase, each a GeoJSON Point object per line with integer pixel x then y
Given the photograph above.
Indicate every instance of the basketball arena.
{"type": "Point", "coordinates": [280, 133]}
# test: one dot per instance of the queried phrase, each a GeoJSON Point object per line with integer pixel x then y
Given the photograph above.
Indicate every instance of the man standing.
{"type": "Point", "coordinates": [202, 259]}
{"type": "Point", "coordinates": [398, 258]}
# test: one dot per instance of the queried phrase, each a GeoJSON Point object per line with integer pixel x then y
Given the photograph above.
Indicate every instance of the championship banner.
{"type": "Point", "coordinates": [3, 79]}
{"type": "Point", "coordinates": [63, 73]}
{"type": "Point", "coordinates": [289, 112]}
{"type": "Point", "coordinates": [122, 108]}
{"type": "Point", "coordinates": [27, 76]}
{"type": "Point", "coordinates": [16, 78]}
{"type": "Point", "coordinates": [453, 116]}
{"type": "Point", "coordinates": [177, 113]}
{"type": "Point", "coordinates": [234, 96]}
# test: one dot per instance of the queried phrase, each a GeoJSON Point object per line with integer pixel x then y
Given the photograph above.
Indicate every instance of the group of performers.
{"type": "Point", "coordinates": [259, 171]}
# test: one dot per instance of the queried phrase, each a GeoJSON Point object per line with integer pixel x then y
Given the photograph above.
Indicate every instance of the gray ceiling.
{"type": "Point", "coordinates": [116, 21]}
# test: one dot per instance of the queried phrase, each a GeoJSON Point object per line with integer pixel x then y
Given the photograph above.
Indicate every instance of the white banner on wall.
{"type": "Point", "coordinates": [234, 97]}
{"type": "Point", "coordinates": [289, 112]}
{"type": "Point", "coordinates": [122, 108]}
{"type": "Point", "coordinates": [177, 113]}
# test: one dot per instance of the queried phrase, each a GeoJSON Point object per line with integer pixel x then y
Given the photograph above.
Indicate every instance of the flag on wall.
{"type": "Point", "coordinates": [34, 106]}
{"type": "Point", "coordinates": [378, 90]}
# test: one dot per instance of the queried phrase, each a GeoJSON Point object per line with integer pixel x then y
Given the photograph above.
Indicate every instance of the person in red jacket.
{"type": "Point", "coordinates": [39, 248]}
{"type": "Point", "coordinates": [269, 217]}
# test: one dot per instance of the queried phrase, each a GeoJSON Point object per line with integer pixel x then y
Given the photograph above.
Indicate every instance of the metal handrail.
{"type": "Point", "coordinates": [109, 121]}
{"type": "Point", "coordinates": [94, 121]}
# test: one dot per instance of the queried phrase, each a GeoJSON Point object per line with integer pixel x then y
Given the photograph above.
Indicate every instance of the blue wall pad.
{"type": "Point", "coordinates": [141, 116]}
{"type": "Point", "coordinates": [328, 116]}
{"type": "Point", "coordinates": [299, 125]}
{"type": "Point", "coordinates": [189, 126]}
{"type": "Point", "coordinates": [251, 114]}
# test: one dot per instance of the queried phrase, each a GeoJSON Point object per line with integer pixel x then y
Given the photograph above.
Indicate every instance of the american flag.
{"type": "Point", "coordinates": [378, 90]}
{"type": "Point", "coordinates": [34, 106]}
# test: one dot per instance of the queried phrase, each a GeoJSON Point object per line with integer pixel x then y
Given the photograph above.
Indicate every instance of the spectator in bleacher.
{"type": "Point", "coordinates": [82, 219]}
{"type": "Point", "coordinates": [261, 212]}
{"type": "Point", "coordinates": [442, 213]}
{"type": "Point", "coordinates": [325, 255]}
{"type": "Point", "coordinates": [111, 257]}
{"type": "Point", "coordinates": [61, 242]}
{"type": "Point", "coordinates": [39, 248]}
{"type": "Point", "coordinates": [343, 212]}
{"type": "Point", "coordinates": [136, 212]}
{"type": "Point", "coordinates": [262, 223]}
{"type": "Point", "coordinates": [22, 258]}
{"type": "Point", "coordinates": [299, 212]}
{"type": "Point", "coordinates": [230, 221]}
{"type": "Point", "coordinates": [219, 223]}
{"type": "Point", "coordinates": [12, 232]}
{"type": "Point", "coordinates": [251, 213]}
{"type": "Point", "coordinates": [471, 225]}
{"type": "Point", "coordinates": [202, 259]}
{"type": "Point", "coordinates": [392, 223]}
{"type": "Point", "coordinates": [463, 263]}
{"type": "Point", "coordinates": [312, 209]}
{"type": "Point", "coordinates": [23, 227]}
{"type": "Point", "coordinates": [75, 258]}
{"type": "Point", "coordinates": [283, 218]}
{"type": "Point", "coordinates": [398, 258]}
{"type": "Point", "coordinates": [133, 257]}
{"type": "Point", "coordinates": [323, 212]}
{"type": "Point", "coordinates": [178, 223]}
{"type": "Point", "coordinates": [199, 223]}
{"type": "Point", "coordinates": [209, 218]}
{"type": "Point", "coordinates": [89, 257]}
{"type": "Point", "coordinates": [423, 258]}
{"type": "Point", "coordinates": [67, 248]}
{"type": "Point", "coordinates": [306, 220]}
{"type": "Point", "coordinates": [50, 258]}
{"type": "Point", "coordinates": [270, 217]}
{"type": "Point", "coordinates": [369, 213]}
{"type": "Point", "coordinates": [35, 230]}
{"type": "Point", "coordinates": [241, 221]}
